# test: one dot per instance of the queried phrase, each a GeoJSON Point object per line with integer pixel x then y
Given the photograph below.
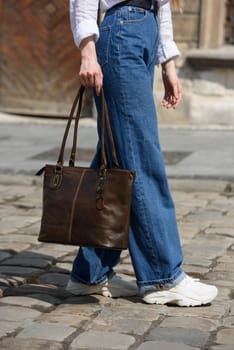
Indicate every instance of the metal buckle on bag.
{"type": "Point", "coordinates": [58, 168]}
{"type": "Point", "coordinates": [100, 189]}
{"type": "Point", "coordinates": [57, 178]}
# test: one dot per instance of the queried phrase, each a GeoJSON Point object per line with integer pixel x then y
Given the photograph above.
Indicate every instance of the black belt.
{"type": "Point", "coordinates": [151, 5]}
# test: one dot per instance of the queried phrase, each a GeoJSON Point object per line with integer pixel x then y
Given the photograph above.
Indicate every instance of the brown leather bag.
{"type": "Point", "coordinates": [85, 206]}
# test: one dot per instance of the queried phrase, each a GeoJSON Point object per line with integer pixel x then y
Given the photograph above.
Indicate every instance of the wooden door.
{"type": "Point", "coordinates": [38, 59]}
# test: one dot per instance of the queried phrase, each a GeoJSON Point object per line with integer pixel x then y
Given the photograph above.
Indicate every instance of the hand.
{"type": "Point", "coordinates": [90, 71]}
{"type": "Point", "coordinates": [172, 86]}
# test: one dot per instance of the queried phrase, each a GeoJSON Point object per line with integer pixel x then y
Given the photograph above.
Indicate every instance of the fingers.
{"type": "Point", "coordinates": [88, 79]}
{"type": "Point", "coordinates": [92, 79]}
{"type": "Point", "coordinates": [173, 96]}
{"type": "Point", "coordinates": [166, 102]}
{"type": "Point", "coordinates": [169, 100]}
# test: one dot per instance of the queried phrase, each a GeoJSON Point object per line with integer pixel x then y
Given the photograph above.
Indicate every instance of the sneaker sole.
{"type": "Point", "coordinates": [83, 291]}
{"type": "Point", "coordinates": [177, 300]}
{"type": "Point", "coordinates": [104, 291]}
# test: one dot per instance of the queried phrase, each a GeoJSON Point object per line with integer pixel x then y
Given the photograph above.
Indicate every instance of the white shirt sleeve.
{"type": "Point", "coordinates": [83, 19]}
{"type": "Point", "coordinates": [167, 47]}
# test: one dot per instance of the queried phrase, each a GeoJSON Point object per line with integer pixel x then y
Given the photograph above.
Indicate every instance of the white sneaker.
{"type": "Point", "coordinates": [115, 287]}
{"type": "Point", "coordinates": [189, 292]}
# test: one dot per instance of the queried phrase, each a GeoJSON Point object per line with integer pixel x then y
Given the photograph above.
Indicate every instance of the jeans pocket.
{"type": "Point", "coordinates": [135, 14]}
{"type": "Point", "coordinates": [102, 45]}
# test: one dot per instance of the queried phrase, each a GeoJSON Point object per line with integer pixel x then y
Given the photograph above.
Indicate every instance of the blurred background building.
{"type": "Point", "coordinates": [204, 33]}
{"type": "Point", "coordinates": [39, 61]}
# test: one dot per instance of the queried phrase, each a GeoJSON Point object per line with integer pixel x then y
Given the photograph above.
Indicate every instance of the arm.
{"type": "Point", "coordinates": [83, 18]}
{"type": "Point", "coordinates": [167, 53]}
{"type": "Point", "coordinates": [172, 87]}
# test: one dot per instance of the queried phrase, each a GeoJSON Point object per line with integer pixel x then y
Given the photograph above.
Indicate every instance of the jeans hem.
{"type": "Point", "coordinates": [101, 280]}
{"type": "Point", "coordinates": [162, 283]}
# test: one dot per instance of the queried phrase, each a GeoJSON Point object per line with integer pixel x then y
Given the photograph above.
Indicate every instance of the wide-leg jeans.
{"type": "Point", "coordinates": [126, 51]}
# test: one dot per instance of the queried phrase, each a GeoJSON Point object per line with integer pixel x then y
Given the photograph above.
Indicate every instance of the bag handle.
{"type": "Point", "coordinates": [78, 98]}
{"type": "Point", "coordinates": [77, 118]}
{"type": "Point", "coordinates": [60, 161]}
{"type": "Point", "coordinates": [104, 125]}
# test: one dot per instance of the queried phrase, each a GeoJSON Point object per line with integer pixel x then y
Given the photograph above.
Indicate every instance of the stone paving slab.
{"type": "Point", "coordinates": [122, 325]}
{"type": "Point", "coordinates": [18, 314]}
{"type": "Point", "coordinates": [19, 271]}
{"type": "Point", "coordinates": [191, 337]}
{"type": "Point", "coordinates": [74, 320]}
{"type": "Point", "coordinates": [4, 255]}
{"type": "Point", "coordinates": [198, 323]}
{"type": "Point", "coordinates": [26, 262]}
{"type": "Point", "coordinates": [124, 319]}
{"type": "Point", "coordinates": [57, 279]}
{"type": "Point", "coordinates": [7, 328]}
{"type": "Point", "coordinates": [29, 344]}
{"type": "Point", "coordinates": [215, 311]}
{"type": "Point", "coordinates": [153, 345]}
{"type": "Point", "coordinates": [11, 281]}
{"type": "Point", "coordinates": [225, 336]}
{"type": "Point", "coordinates": [62, 267]}
{"type": "Point", "coordinates": [17, 237]}
{"type": "Point", "coordinates": [12, 223]}
{"type": "Point", "coordinates": [14, 247]}
{"type": "Point", "coordinates": [2, 291]}
{"type": "Point", "coordinates": [229, 322]}
{"type": "Point", "coordinates": [47, 331]}
{"type": "Point", "coordinates": [37, 301]}
{"type": "Point", "coordinates": [28, 289]}
{"type": "Point", "coordinates": [222, 347]}
{"type": "Point", "coordinates": [95, 340]}
{"type": "Point", "coordinates": [86, 305]}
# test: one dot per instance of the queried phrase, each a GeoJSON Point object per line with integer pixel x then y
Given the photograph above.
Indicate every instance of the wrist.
{"type": "Point", "coordinates": [170, 64]}
{"type": "Point", "coordinates": [87, 47]}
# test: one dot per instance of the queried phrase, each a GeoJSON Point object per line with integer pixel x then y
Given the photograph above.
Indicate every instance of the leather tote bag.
{"type": "Point", "coordinates": [85, 206]}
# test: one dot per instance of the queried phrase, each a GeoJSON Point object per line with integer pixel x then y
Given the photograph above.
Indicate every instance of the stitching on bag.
{"type": "Point", "coordinates": [73, 205]}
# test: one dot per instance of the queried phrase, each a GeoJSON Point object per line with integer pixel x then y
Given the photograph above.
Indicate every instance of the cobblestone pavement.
{"type": "Point", "coordinates": [36, 312]}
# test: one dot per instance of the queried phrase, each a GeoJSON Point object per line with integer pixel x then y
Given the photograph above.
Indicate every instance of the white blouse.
{"type": "Point", "coordinates": [83, 17]}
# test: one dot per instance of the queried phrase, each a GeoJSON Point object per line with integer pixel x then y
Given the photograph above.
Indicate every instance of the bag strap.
{"type": "Point", "coordinates": [105, 125]}
{"type": "Point", "coordinates": [77, 118]}
{"type": "Point", "coordinates": [78, 97]}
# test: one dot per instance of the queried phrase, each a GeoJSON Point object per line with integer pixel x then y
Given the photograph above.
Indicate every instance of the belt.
{"type": "Point", "coordinates": [150, 5]}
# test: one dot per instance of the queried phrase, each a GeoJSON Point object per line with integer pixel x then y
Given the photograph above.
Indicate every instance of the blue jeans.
{"type": "Point", "coordinates": [126, 51]}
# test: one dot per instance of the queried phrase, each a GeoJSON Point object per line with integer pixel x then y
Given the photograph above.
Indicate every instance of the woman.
{"type": "Point", "coordinates": [121, 56]}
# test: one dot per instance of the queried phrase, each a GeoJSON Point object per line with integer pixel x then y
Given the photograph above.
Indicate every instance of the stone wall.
{"type": "Point", "coordinates": [207, 74]}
